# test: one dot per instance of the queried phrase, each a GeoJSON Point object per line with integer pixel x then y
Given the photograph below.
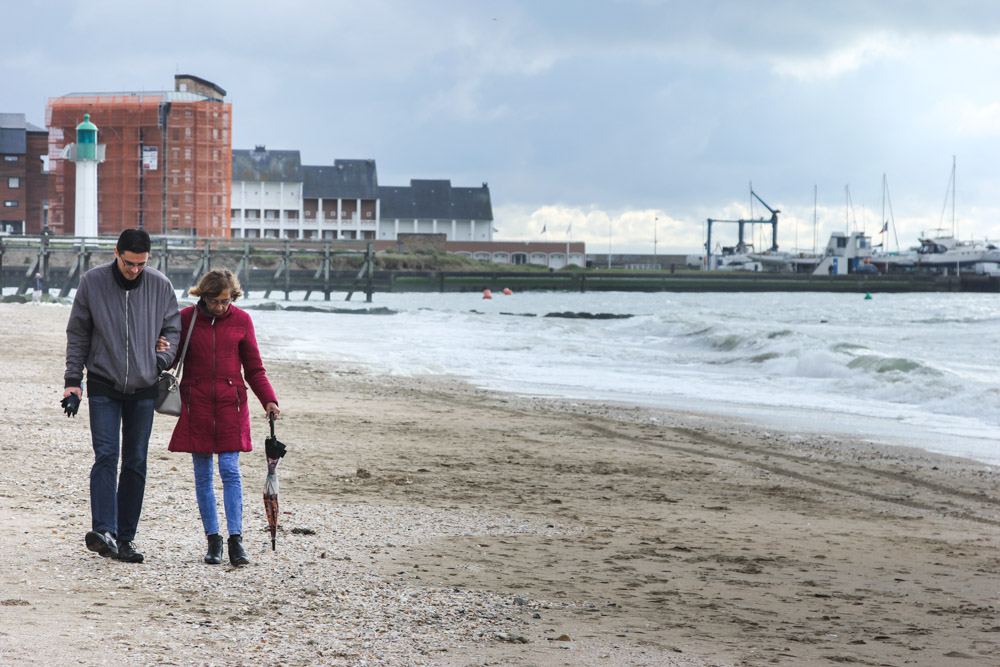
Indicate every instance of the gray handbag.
{"type": "Point", "coordinates": [168, 384]}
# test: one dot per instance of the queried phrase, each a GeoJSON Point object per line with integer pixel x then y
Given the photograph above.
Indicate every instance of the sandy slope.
{"type": "Point", "coordinates": [489, 529]}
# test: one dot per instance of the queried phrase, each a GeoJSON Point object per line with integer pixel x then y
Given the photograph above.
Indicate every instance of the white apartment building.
{"type": "Point", "coordinates": [275, 196]}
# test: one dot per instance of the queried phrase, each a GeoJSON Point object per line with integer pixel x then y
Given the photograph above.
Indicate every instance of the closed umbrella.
{"type": "Point", "coordinates": [274, 449]}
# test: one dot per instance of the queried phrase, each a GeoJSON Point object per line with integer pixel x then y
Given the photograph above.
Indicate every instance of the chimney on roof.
{"type": "Point", "coordinates": [485, 185]}
{"type": "Point", "coordinates": [259, 148]}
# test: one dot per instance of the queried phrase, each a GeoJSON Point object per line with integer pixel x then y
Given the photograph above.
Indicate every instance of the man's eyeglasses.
{"type": "Point", "coordinates": [218, 302]}
{"type": "Point", "coordinates": [133, 265]}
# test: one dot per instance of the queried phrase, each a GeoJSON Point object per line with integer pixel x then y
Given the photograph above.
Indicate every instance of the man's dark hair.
{"type": "Point", "coordinates": [133, 240]}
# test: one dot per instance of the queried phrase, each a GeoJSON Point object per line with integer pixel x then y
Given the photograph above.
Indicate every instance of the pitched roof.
{"type": "Point", "coordinates": [13, 140]}
{"type": "Point", "coordinates": [345, 179]}
{"type": "Point", "coordinates": [261, 164]}
{"type": "Point", "coordinates": [435, 199]}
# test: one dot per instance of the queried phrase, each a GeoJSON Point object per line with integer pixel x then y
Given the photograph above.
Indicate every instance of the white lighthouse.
{"type": "Point", "coordinates": [86, 153]}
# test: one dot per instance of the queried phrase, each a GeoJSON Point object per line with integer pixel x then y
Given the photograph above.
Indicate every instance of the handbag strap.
{"type": "Point", "coordinates": [187, 339]}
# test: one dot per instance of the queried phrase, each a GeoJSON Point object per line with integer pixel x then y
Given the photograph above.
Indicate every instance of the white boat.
{"type": "Point", "coordinates": [941, 254]}
{"type": "Point", "coordinates": [736, 261]}
{"type": "Point", "coordinates": [846, 253]}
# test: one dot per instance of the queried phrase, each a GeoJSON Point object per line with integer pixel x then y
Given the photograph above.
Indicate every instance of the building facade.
{"type": "Point", "coordinates": [167, 165]}
{"type": "Point", "coordinates": [436, 207]}
{"type": "Point", "coordinates": [276, 196]}
{"type": "Point", "coordinates": [553, 254]}
{"type": "Point", "coordinates": [23, 178]}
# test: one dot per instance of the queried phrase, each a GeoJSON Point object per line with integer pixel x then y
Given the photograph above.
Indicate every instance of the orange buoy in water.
{"type": "Point", "coordinates": [506, 291]}
{"type": "Point", "coordinates": [487, 294]}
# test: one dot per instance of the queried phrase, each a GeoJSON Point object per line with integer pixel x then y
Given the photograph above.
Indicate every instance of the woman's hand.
{"type": "Point", "coordinates": [272, 409]}
{"type": "Point", "coordinates": [162, 345]}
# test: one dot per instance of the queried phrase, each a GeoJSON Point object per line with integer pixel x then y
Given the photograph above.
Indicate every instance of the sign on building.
{"type": "Point", "coordinates": [149, 157]}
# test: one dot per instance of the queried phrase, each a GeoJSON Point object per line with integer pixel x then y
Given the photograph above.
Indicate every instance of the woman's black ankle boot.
{"type": "Point", "coordinates": [214, 555]}
{"type": "Point", "coordinates": [237, 556]}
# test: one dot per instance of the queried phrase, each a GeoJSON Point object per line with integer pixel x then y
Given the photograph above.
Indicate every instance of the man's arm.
{"type": "Point", "coordinates": [79, 329]}
{"type": "Point", "coordinates": [170, 329]}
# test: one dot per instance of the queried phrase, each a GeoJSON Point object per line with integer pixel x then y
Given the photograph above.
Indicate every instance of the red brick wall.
{"type": "Point", "coordinates": [36, 180]}
{"type": "Point", "coordinates": [188, 193]}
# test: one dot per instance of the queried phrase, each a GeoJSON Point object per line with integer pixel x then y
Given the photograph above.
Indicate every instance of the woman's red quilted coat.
{"type": "Point", "coordinates": [214, 417]}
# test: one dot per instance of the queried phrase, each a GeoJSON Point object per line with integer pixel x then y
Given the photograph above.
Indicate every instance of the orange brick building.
{"type": "Point", "coordinates": [168, 160]}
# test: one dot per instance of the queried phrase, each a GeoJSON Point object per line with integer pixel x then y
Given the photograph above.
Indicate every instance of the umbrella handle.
{"type": "Point", "coordinates": [270, 418]}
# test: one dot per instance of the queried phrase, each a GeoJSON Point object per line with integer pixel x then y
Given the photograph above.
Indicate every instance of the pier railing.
{"type": "Point", "coordinates": [309, 268]}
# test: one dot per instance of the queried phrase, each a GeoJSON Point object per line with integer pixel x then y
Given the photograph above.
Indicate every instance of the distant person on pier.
{"type": "Point", "coordinates": [214, 421]}
{"type": "Point", "coordinates": [123, 330]}
{"type": "Point", "coordinates": [36, 296]}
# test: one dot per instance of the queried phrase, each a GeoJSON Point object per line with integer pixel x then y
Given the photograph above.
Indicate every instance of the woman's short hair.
{"type": "Point", "coordinates": [215, 282]}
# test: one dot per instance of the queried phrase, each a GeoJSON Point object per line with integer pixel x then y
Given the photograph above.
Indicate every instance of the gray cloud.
{"type": "Point", "coordinates": [619, 107]}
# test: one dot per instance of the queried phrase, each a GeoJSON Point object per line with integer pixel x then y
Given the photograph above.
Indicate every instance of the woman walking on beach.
{"type": "Point", "coordinates": [214, 419]}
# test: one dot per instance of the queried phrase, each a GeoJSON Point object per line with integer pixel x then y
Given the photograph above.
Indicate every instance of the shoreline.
{"type": "Point", "coordinates": [452, 525]}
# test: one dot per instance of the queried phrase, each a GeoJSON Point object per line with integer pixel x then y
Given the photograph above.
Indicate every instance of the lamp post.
{"type": "Point", "coordinates": [609, 242]}
{"type": "Point", "coordinates": [655, 221]}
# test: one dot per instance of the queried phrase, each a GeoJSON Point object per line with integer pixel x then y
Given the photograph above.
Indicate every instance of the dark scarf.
{"type": "Point", "coordinates": [122, 281]}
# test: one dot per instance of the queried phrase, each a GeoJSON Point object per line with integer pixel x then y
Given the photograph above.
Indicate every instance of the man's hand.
{"type": "Point", "coordinates": [71, 400]}
{"type": "Point", "coordinates": [162, 345]}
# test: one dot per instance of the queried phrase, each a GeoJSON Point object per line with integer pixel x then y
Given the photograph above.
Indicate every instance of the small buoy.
{"type": "Point", "coordinates": [487, 294]}
{"type": "Point", "coordinates": [868, 296]}
{"type": "Point", "coordinates": [507, 291]}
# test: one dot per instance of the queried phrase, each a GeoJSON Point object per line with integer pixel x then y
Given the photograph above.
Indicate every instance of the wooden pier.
{"type": "Point", "coordinates": [282, 267]}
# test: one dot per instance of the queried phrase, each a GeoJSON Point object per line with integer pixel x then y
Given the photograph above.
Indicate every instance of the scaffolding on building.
{"type": "Point", "coordinates": [167, 165]}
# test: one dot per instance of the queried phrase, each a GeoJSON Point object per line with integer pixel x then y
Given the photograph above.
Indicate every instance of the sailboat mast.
{"type": "Point", "coordinates": [954, 230]}
{"type": "Point", "coordinates": [815, 195]}
{"type": "Point", "coordinates": [883, 227]}
{"type": "Point", "coordinates": [847, 210]}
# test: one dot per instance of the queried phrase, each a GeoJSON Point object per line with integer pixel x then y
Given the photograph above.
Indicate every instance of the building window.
{"type": "Point", "coordinates": [10, 203]}
{"type": "Point", "coordinates": [13, 182]}
{"type": "Point", "coordinates": [10, 158]}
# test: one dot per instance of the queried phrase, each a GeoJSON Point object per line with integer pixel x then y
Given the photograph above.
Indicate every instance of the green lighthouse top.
{"type": "Point", "coordinates": [86, 124]}
{"type": "Point", "coordinates": [86, 139]}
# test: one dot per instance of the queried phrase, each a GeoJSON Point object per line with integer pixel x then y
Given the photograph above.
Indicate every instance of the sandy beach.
{"type": "Point", "coordinates": [425, 522]}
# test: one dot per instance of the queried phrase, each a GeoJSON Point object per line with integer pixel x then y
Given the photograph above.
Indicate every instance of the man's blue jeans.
{"type": "Point", "coordinates": [116, 498]}
{"type": "Point", "coordinates": [232, 491]}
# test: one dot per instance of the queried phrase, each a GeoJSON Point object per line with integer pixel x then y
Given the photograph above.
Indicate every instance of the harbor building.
{"type": "Point", "coordinates": [167, 164]}
{"type": "Point", "coordinates": [23, 178]}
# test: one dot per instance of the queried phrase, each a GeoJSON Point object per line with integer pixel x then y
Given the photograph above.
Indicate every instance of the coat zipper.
{"type": "Point", "coordinates": [215, 424]}
{"type": "Point", "coordinates": [187, 403]}
{"type": "Point", "coordinates": [125, 383]}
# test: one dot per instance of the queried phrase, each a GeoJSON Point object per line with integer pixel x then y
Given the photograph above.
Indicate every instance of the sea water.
{"type": "Point", "coordinates": [921, 370]}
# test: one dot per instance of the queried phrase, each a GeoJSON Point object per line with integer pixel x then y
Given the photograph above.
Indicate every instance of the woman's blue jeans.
{"type": "Point", "coordinates": [232, 491]}
{"type": "Point", "coordinates": [118, 427]}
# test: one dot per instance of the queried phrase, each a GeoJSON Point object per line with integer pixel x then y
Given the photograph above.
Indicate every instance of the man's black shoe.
{"type": "Point", "coordinates": [102, 543]}
{"type": "Point", "coordinates": [128, 554]}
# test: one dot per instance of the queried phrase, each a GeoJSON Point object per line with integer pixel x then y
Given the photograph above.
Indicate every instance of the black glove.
{"type": "Point", "coordinates": [274, 448]}
{"type": "Point", "coordinates": [71, 404]}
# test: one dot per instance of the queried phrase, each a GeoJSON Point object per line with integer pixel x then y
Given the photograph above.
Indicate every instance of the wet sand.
{"type": "Point", "coordinates": [427, 522]}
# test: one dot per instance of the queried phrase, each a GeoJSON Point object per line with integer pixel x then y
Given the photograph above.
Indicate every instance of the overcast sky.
{"type": "Point", "coordinates": [610, 118]}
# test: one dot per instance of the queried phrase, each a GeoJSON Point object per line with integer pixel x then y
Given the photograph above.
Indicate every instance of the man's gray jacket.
{"type": "Point", "coordinates": [112, 332]}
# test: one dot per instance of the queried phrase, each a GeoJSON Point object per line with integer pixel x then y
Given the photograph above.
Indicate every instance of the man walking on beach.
{"type": "Point", "coordinates": [119, 312]}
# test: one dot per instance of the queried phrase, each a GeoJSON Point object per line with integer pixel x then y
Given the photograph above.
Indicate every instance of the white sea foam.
{"type": "Point", "coordinates": [914, 369]}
